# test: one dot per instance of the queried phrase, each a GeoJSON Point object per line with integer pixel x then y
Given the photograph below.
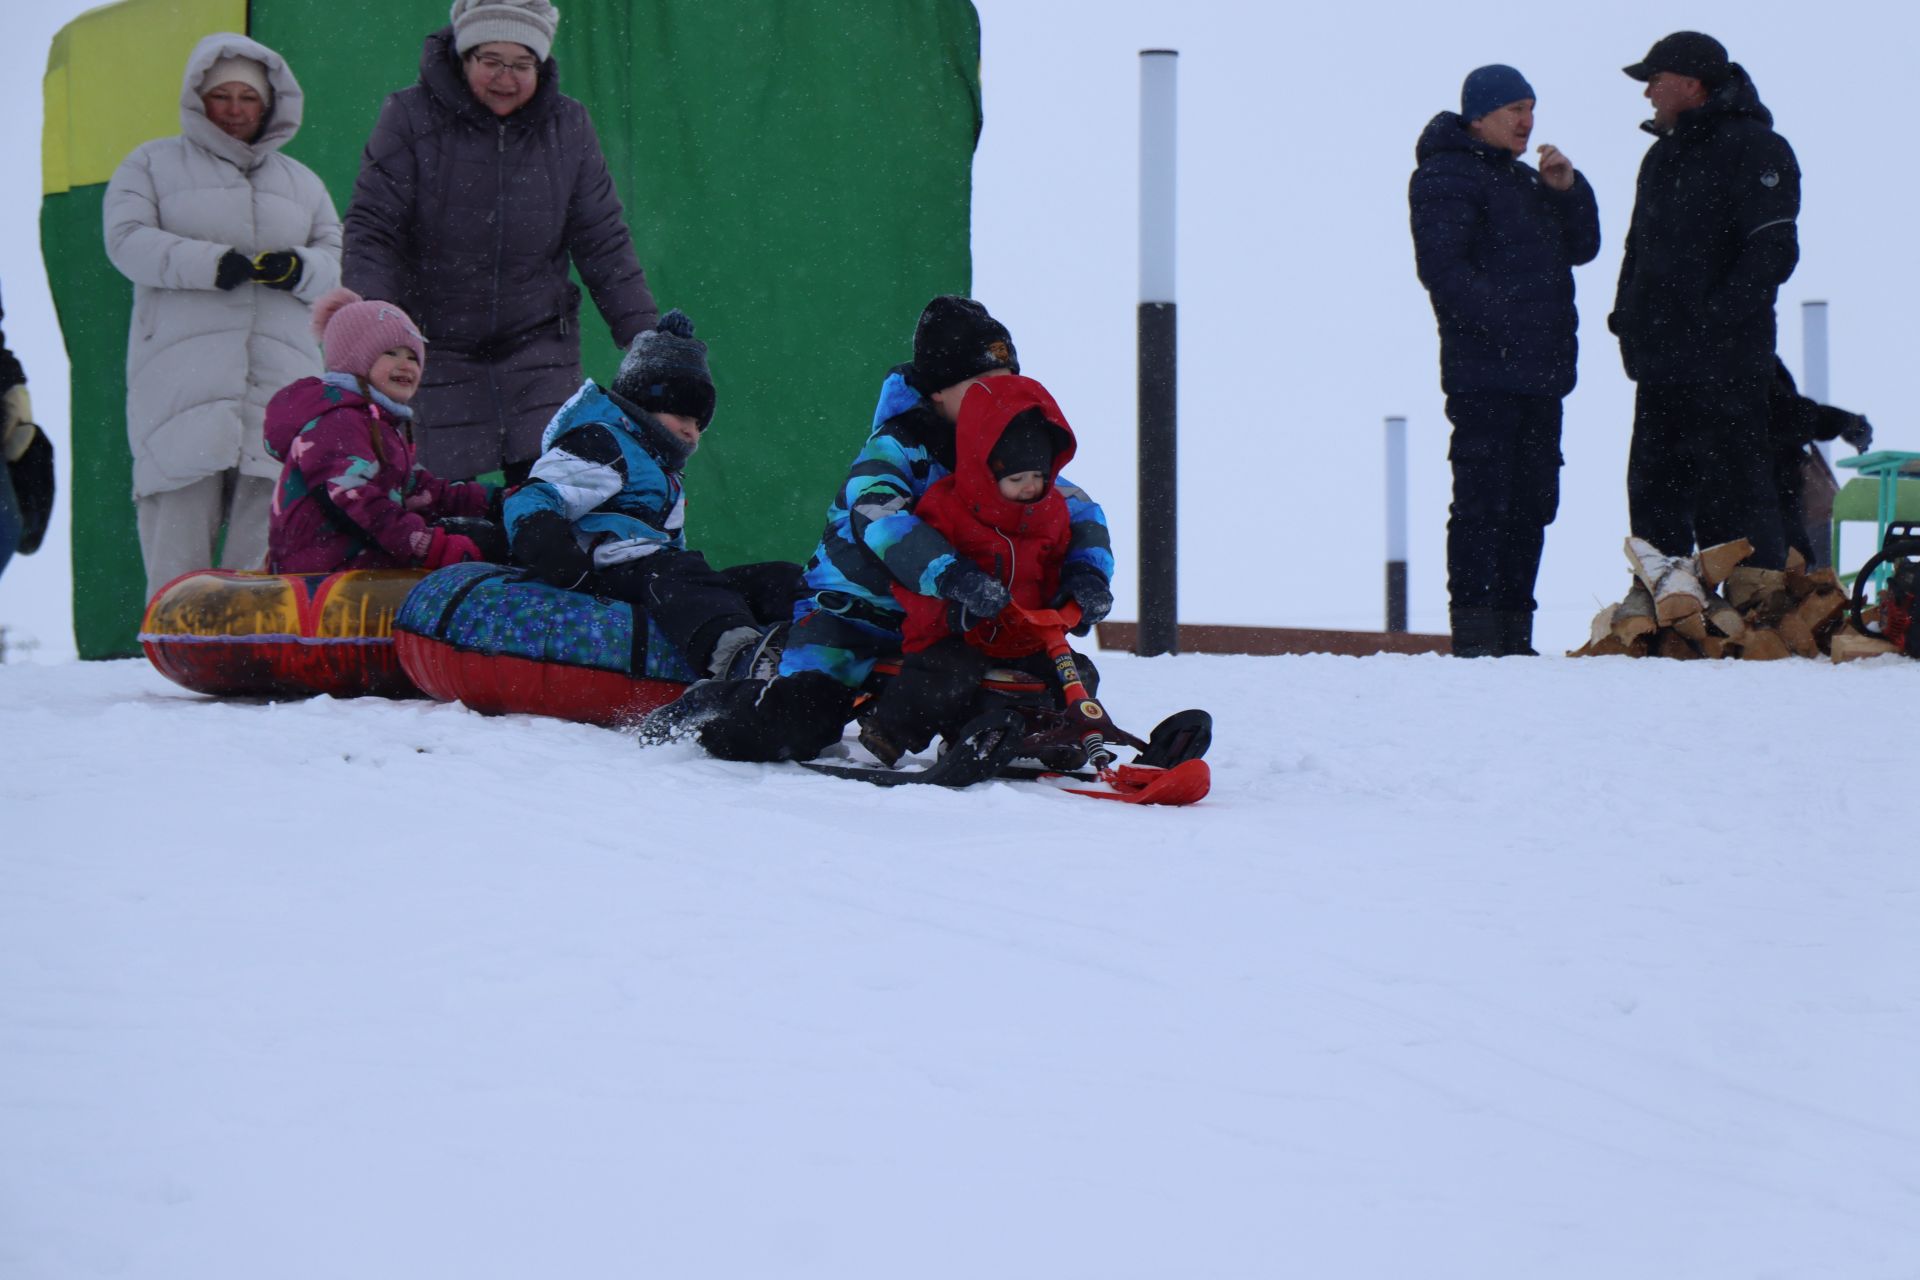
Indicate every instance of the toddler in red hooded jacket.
{"type": "Point", "coordinates": [1007, 522]}
{"type": "Point", "coordinates": [351, 495]}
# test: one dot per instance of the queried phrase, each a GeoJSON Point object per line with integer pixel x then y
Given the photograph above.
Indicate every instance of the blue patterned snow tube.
{"type": "Point", "coordinates": [502, 642]}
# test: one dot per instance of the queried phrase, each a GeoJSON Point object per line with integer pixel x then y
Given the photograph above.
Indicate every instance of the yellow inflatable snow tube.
{"type": "Point", "coordinates": [266, 635]}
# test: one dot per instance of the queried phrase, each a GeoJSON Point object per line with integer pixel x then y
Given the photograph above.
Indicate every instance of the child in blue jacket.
{"type": "Point", "coordinates": [604, 509]}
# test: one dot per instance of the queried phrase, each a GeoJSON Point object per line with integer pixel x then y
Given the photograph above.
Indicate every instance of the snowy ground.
{"type": "Point", "coordinates": [1494, 969]}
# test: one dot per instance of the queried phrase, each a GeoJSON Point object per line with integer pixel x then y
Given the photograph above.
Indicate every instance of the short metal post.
{"type": "Point", "coordinates": [1813, 346]}
{"type": "Point", "coordinates": [1396, 524]}
{"type": "Point", "coordinates": [1158, 357]}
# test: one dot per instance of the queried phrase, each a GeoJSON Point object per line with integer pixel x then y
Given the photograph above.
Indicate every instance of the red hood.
{"type": "Point", "coordinates": [989, 406]}
{"type": "Point", "coordinates": [297, 404]}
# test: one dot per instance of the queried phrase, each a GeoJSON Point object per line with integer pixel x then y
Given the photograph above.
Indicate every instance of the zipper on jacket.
{"type": "Point", "coordinates": [499, 252]}
{"type": "Point", "coordinates": [1012, 563]}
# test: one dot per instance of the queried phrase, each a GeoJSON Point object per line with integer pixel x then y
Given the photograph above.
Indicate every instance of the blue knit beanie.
{"type": "Point", "coordinates": [1491, 88]}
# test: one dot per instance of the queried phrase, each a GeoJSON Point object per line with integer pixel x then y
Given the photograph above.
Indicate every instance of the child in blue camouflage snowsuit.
{"type": "Point", "coordinates": [846, 619]}
{"type": "Point", "coordinates": [604, 508]}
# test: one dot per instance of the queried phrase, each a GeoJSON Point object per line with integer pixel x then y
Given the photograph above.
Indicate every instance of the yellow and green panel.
{"type": "Point", "coordinates": [797, 176]}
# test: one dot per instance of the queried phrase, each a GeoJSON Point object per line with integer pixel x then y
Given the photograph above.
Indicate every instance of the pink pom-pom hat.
{"type": "Point", "coordinates": [354, 332]}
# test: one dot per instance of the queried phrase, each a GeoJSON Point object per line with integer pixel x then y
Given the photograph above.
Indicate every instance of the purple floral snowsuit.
{"type": "Point", "coordinates": [351, 495]}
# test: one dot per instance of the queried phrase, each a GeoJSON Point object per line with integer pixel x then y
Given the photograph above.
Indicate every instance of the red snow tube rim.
{"type": "Point", "coordinates": [496, 684]}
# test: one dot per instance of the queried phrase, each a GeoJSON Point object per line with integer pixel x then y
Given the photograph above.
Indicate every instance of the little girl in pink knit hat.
{"type": "Point", "coordinates": [351, 495]}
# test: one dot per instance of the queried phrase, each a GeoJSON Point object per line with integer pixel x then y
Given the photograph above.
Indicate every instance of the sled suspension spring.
{"type": "Point", "coordinates": [1095, 745]}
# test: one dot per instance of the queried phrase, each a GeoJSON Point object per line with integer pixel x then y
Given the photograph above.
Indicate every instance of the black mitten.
{"type": "Point", "coordinates": [1858, 433]}
{"type": "Point", "coordinates": [234, 270]}
{"type": "Point", "coordinates": [32, 476]}
{"type": "Point", "coordinates": [544, 543]}
{"type": "Point", "coordinates": [978, 594]}
{"type": "Point", "coordinates": [278, 269]}
{"type": "Point", "coordinates": [1086, 587]}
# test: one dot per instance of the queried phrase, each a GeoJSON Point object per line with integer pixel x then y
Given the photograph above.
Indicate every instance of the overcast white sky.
{"type": "Point", "coordinates": [1302, 324]}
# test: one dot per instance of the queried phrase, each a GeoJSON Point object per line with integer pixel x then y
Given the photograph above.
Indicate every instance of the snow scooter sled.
{"type": "Point", "coordinates": [1063, 736]}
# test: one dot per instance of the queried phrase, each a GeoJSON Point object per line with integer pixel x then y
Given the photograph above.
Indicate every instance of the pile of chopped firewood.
{"type": "Point", "coordinates": [1792, 614]}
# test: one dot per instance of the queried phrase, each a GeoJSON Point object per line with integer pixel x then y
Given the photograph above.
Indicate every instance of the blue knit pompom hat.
{"type": "Point", "coordinates": [1491, 88]}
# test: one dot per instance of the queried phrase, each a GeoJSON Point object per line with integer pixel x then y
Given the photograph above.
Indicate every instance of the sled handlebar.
{"type": "Point", "coordinates": [1065, 618]}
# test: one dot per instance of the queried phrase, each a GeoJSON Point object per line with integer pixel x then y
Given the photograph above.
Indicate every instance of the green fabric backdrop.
{"type": "Point", "coordinates": [797, 177]}
{"type": "Point", "coordinates": [95, 304]}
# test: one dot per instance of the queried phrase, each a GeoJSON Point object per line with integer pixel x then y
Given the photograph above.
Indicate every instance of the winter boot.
{"type": "Point", "coordinates": [1477, 633]}
{"type": "Point", "coordinates": [733, 652]}
{"type": "Point", "coordinates": [793, 717]}
{"type": "Point", "coordinates": [879, 743]}
{"type": "Point", "coordinates": [1673, 581]}
{"type": "Point", "coordinates": [1516, 633]}
{"type": "Point", "coordinates": [748, 653]}
{"type": "Point", "coordinates": [759, 657]}
{"type": "Point", "coordinates": [682, 718]}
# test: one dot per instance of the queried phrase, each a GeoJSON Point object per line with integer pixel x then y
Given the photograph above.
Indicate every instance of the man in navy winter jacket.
{"type": "Point", "coordinates": [1712, 240]}
{"type": "Point", "coordinates": [1496, 242]}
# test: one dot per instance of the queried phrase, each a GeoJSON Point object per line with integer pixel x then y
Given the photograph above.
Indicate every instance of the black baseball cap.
{"type": "Point", "coordinates": [1684, 53]}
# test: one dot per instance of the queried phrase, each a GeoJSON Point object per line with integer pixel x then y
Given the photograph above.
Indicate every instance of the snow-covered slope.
{"type": "Point", "coordinates": [1493, 969]}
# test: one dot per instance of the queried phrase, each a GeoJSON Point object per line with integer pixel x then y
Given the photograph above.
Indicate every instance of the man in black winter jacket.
{"type": "Point", "coordinates": [1712, 240]}
{"type": "Point", "coordinates": [1496, 242]}
{"type": "Point", "coordinates": [1794, 424]}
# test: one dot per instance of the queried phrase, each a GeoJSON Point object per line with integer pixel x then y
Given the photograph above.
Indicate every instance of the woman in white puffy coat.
{"type": "Point", "coordinates": [227, 243]}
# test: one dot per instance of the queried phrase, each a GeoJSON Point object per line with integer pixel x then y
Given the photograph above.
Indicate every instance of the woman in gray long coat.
{"type": "Point", "coordinates": [227, 243]}
{"type": "Point", "coordinates": [479, 185]}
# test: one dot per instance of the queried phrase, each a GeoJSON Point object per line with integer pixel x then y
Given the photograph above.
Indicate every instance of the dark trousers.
{"type": "Point", "coordinates": [1805, 487]}
{"type": "Point", "coordinates": [937, 692]}
{"type": "Point", "coordinates": [939, 689]}
{"type": "Point", "coordinates": [1700, 471]}
{"type": "Point", "coordinates": [1505, 453]}
{"type": "Point", "coordinates": [796, 717]}
{"type": "Point", "coordinates": [694, 604]}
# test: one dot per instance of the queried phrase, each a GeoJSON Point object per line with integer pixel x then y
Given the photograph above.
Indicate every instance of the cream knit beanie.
{"type": "Point", "coordinates": [527, 22]}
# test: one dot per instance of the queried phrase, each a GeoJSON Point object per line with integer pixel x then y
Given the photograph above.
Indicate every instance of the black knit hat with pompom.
{"type": "Point", "coordinates": [665, 371]}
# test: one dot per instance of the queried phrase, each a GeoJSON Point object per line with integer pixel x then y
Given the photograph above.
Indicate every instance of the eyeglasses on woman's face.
{"type": "Point", "coordinates": [493, 65]}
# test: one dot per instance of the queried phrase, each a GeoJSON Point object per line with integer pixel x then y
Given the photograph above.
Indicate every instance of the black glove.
{"type": "Point", "coordinates": [33, 489]}
{"type": "Point", "coordinates": [1858, 433]}
{"type": "Point", "coordinates": [544, 543]}
{"type": "Point", "coordinates": [234, 270]}
{"type": "Point", "coordinates": [976, 594]}
{"type": "Point", "coordinates": [278, 269]}
{"type": "Point", "coordinates": [1086, 587]}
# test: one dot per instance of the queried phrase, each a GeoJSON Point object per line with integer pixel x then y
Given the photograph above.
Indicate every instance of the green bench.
{"type": "Point", "coordinates": [1878, 496]}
